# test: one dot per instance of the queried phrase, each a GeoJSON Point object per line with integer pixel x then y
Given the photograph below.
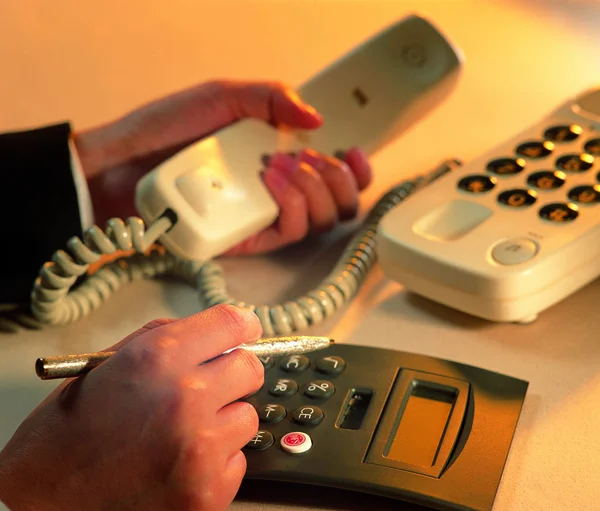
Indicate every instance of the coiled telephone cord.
{"type": "Point", "coordinates": [54, 303]}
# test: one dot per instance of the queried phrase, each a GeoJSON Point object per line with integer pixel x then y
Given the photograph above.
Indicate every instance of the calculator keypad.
{"type": "Point", "coordinates": [296, 392]}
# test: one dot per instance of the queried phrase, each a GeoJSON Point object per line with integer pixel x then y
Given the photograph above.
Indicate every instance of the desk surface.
{"type": "Point", "coordinates": [521, 60]}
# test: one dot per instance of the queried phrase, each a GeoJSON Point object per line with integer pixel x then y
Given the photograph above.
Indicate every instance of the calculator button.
{"type": "Point", "coordinates": [514, 251]}
{"type": "Point", "coordinates": [319, 389]}
{"type": "Point", "coordinates": [477, 183]}
{"type": "Point", "coordinates": [267, 362]}
{"type": "Point", "coordinates": [560, 213]}
{"type": "Point", "coordinates": [547, 179]}
{"type": "Point", "coordinates": [506, 166]}
{"type": "Point", "coordinates": [295, 364]}
{"type": "Point", "coordinates": [575, 162]}
{"type": "Point", "coordinates": [535, 149]}
{"type": "Point", "coordinates": [517, 198]}
{"type": "Point", "coordinates": [564, 133]}
{"type": "Point", "coordinates": [296, 442]}
{"type": "Point", "coordinates": [271, 413]}
{"type": "Point", "coordinates": [331, 365]}
{"type": "Point", "coordinates": [261, 441]}
{"type": "Point", "coordinates": [585, 194]}
{"type": "Point", "coordinates": [283, 388]}
{"type": "Point", "coordinates": [308, 415]}
{"type": "Point", "coordinates": [592, 147]}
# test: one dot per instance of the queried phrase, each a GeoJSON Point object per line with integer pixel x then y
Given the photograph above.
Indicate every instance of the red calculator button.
{"type": "Point", "coordinates": [296, 442]}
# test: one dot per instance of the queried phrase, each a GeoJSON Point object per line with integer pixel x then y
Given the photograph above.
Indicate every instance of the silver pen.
{"type": "Point", "coordinates": [71, 366]}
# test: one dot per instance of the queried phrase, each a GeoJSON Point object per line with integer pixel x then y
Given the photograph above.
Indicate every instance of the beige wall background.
{"type": "Point", "coordinates": [90, 61]}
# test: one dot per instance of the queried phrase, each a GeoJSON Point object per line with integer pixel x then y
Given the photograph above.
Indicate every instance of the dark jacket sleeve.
{"type": "Point", "coordinates": [39, 210]}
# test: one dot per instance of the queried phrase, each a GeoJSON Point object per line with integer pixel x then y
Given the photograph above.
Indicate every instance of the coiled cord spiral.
{"type": "Point", "coordinates": [53, 303]}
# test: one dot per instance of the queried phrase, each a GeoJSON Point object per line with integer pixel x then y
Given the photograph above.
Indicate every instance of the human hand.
{"type": "Point", "coordinates": [149, 428]}
{"type": "Point", "coordinates": [313, 191]}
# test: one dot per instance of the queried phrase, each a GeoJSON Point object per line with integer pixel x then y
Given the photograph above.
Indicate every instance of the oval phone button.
{"type": "Point", "coordinates": [514, 251]}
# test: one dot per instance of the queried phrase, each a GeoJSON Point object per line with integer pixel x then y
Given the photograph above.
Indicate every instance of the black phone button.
{"type": "Point", "coordinates": [592, 147]}
{"type": "Point", "coordinates": [517, 198]}
{"type": "Point", "coordinates": [283, 387]}
{"type": "Point", "coordinates": [308, 415]}
{"type": "Point", "coordinates": [575, 162]}
{"type": "Point", "coordinates": [319, 389]}
{"type": "Point", "coordinates": [477, 183]}
{"type": "Point", "coordinates": [271, 413]}
{"type": "Point", "coordinates": [331, 365]}
{"type": "Point", "coordinates": [585, 194]}
{"type": "Point", "coordinates": [261, 441]}
{"type": "Point", "coordinates": [294, 364]}
{"type": "Point", "coordinates": [506, 166]}
{"type": "Point", "coordinates": [546, 179]}
{"type": "Point", "coordinates": [563, 133]}
{"type": "Point", "coordinates": [535, 149]}
{"type": "Point", "coordinates": [559, 213]}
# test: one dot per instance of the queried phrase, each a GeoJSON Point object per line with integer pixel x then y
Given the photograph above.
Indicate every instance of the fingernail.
{"type": "Point", "coordinates": [304, 106]}
{"type": "Point", "coordinates": [275, 178]}
{"type": "Point", "coordinates": [311, 157]}
{"type": "Point", "coordinates": [284, 162]}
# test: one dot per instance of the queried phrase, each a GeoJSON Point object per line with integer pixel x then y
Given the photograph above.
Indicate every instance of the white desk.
{"type": "Point", "coordinates": [521, 61]}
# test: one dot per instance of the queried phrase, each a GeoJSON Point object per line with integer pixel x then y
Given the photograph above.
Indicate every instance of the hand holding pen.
{"type": "Point", "coordinates": [151, 414]}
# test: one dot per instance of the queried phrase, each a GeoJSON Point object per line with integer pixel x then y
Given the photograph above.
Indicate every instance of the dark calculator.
{"type": "Point", "coordinates": [405, 426]}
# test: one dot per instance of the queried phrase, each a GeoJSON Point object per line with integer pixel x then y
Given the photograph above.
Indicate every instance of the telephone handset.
{"type": "Point", "coordinates": [210, 196]}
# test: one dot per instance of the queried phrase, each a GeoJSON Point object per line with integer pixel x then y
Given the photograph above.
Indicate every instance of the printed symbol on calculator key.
{"type": "Point", "coordinates": [308, 415]}
{"type": "Point", "coordinates": [585, 194]}
{"type": "Point", "coordinates": [295, 364]}
{"type": "Point", "coordinates": [560, 213]}
{"type": "Point", "coordinates": [261, 441]}
{"type": "Point", "coordinates": [331, 365]}
{"type": "Point", "coordinates": [271, 413]}
{"type": "Point", "coordinates": [506, 166]}
{"type": "Point", "coordinates": [575, 162]}
{"type": "Point", "coordinates": [477, 183]}
{"type": "Point", "coordinates": [517, 198]}
{"type": "Point", "coordinates": [563, 133]}
{"type": "Point", "coordinates": [283, 388]}
{"type": "Point", "coordinates": [547, 179]}
{"type": "Point", "coordinates": [296, 442]}
{"type": "Point", "coordinates": [319, 389]}
{"type": "Point", "coordinates": [535, 149]}
{"type": "Point", "coordinates": [592, 147]}
{"type": "Point", "coordinates": [267, 362]}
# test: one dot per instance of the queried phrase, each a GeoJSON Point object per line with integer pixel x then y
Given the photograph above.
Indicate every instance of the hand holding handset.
{"type": "Point", "coordinates": [210, 196]}
{"type": "Point", "coordinates": [367, 98]}
{"type": "Point", "coordinates": [513, 232]}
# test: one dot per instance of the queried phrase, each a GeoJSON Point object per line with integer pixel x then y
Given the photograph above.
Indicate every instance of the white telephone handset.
{"type": "Point", "coordinates": [210, 196]}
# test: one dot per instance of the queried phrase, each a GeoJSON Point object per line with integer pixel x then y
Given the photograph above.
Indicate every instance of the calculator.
{"type": "Point", "coordinates": [405, 426]}
{"type": "Point", "coordinates": [512, 232]}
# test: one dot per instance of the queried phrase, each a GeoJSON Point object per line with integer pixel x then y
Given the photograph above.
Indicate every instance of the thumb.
{"type": "Point", "coordinates": [275, 103]}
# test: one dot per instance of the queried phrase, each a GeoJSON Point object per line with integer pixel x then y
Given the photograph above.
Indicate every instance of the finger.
{"type": "Point", "coordinates": [147, 327]}
{"type": "Point", "coordinates": [322, 210]}
{"type": "Point", "coordinates": [339, 179]}
{"type": "Point", "coordinates": [190, 341]}
{"type": "Point", "coordinates": [361, 168]}
{"type": "Point", "coordinates": [235, 469]}
{"type": "Point", "coordinates": [270, 101]}
{"type": "Point", "coordinates": [236, 374]}
{"type": "Point", "coordinates": [292, 223]}
{"type": "Point", "coordinates": [238, 424]}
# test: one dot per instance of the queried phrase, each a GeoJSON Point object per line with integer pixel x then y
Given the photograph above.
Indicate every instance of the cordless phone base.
{"type": "Point", "coordinates": [511, 233]}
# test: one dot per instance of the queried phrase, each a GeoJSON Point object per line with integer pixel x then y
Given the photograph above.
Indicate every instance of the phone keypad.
{"type": "Point", "coordinates": [563, 153]}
